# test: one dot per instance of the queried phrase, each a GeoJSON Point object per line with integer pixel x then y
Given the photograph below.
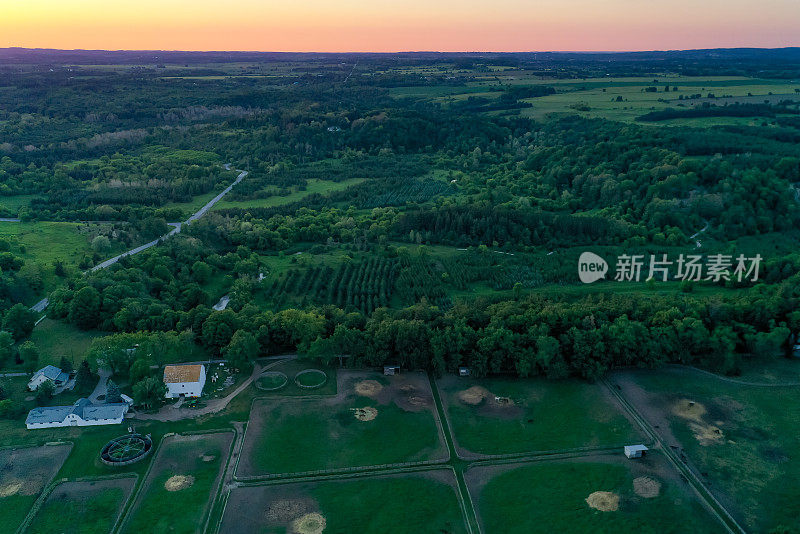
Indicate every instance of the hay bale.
{"type": "Point", "coordinates": [312, 523]}
{"type": "Point", "coordinates": [178, 482]}
{"type": "Point", "coordinates": [474, 395]}
{"type": "Point", "coordinates": [369, 388]}
{"type": "Point", "coordinates": [368, 413]}
{"type": "Point", "coordinates": [604, 501]}
{"type": "Point", "coordinates": [646, 487]}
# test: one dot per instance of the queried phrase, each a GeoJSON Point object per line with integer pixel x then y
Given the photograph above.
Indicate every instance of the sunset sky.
{"type": "Point", "coordinates": [399, 25]}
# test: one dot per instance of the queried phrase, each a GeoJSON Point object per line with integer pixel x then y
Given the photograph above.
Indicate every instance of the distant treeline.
{"type": "Point", "coordinates": [732, 110]}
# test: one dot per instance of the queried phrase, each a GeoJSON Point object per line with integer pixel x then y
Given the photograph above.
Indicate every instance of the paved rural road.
{"type": "Point", "coordinates": [176, 226]}
{"type": "Point", "coordinates": [9, 219]}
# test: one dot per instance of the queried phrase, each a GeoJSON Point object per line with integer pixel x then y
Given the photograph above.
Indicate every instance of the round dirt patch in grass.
{"type": "Point", "coordinates": [646, 487]}
{"type": "Point", "coordinates": [368, 413]}
{"type": "Point", "coordinates": [689, 409]}
{"type": "Point", "coordinates": [312, 523]}
{"type": "Point", "coordinates": [178, 482]}
{"type": "Point", "coordinates": [310, 378]}
{"type": "Point", "coordinates": [474, 395]}
{"type": "Point", "coordinates": [287, 510]}
{"type": "Point", "coordinates": [208, 457]}
{"type": "Point", "coordinates": [369, 388]}
{"type": "Point", "coordinates": [271, 381]}
{"type": "Point", "coordinates": [605, 501]}
{"type": "Point", "coordinates": [10, 488]}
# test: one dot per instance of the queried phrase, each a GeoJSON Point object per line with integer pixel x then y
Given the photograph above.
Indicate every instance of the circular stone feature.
{"type": "Point", "coordinates": [126, 449]}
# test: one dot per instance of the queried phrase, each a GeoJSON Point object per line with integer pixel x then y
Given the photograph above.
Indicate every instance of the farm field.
{"type": "Point", "coordinates": [722, 425]}
{"type": "Point", "coordinates": [539, 415]}
{"type": "Point", "coordinates": [82, 507]}
{"type": "Point", "coordinates": [358, 427]}
{"type": "Point", "coordinates": [24, 473]}
{"type": "Point", "coordinates": [589, 495]}
{"type": "Point", "coordinates": [183, 477]}
{"type": "Point", "coordinates": [369, 506]}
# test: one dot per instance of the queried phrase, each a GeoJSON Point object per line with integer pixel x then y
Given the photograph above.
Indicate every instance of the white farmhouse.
{"type": "Point", "coordinates": [184, 380]}
{"type": "Point", "coordinates": [82, 413]}
{"type": "Point", "coordinates": [49, 372]}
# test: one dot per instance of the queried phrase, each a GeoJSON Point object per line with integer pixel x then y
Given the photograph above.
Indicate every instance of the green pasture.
{"type": "Point", "coordinates": [285, 437]}
{"type": "Point", "coordinates": [552, 498]}
{"type": "Point", "coordinates": [313, 186]}
{"type": "Point", "coordinates": [87, 516]}
{"type": "Point", "coordinates": [542, 415]}
{"type": "Point", "coordinates": [759, 427]}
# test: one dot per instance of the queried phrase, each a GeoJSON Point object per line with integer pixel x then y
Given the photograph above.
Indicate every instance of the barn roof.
{"type": "Point", "coordinates": [175, 374]}
{"type": "Point", "coordinates": [83, 408]}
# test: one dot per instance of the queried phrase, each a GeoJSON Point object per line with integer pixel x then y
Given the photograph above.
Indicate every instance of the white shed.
{"type": "Point", "coordinates": [184, 380]}
{"type": "Point", "coordinates": [635, 451]}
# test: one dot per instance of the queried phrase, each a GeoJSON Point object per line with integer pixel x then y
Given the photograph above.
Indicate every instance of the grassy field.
{"type": "Point", "coordinates": [422, 502]}
{"type": "Point", "coordinates": [314, 185]}
{"type": "Point", "coordinates": [183, 510]}
{"type": "Point", "coordinates": [542, 415]}
{"type": "Point", "coordinates": [552, 497]}
{"type": "Point", "coordinates": [298, 435]}
{"type": "Point", "coordinates": [723, 426]}
{"type": "Point", "coordinates": [82, 507]}
{"type": "Point", "coordinates": [55, 339]}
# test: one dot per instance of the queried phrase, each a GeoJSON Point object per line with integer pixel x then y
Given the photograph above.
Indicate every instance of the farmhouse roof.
{"type": "Point", "coordinates": [51, 372]}
{"type": "Point", "coordinates": [83, 408]}
{"type": "Point", "coordinates": [174, 374]}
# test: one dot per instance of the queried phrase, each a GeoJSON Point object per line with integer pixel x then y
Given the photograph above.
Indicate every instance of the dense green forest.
{"type": "Point", "coordinates": [422, 211]}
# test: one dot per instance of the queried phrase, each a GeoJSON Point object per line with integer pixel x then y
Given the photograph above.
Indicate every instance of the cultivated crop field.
{"type": "Point", "coordinates": [24, 473]}
{"type": "Point", "coordinates": [590, 495]}
{"type": "Point", "coordinates": [183, 479]}
{"type": "Point", "coordinates": [372, 420]}
{"type": "Point", "coordinates": [83, 507]}
{"type": "Point", "coordinates": [531, 415]}
{"type": "Point", "coordinates": [376, 505]}
{"type": "Point", "coordinates": [721, 425]}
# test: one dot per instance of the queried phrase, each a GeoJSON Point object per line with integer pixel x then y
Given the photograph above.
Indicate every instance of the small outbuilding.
{"type": "Point", "coordinates": [463, 371]}
{"type": "Point", "coordinates": [635, 451]}
{"type": "Point", "coordinates": [391, 370]}
{"type": "Point", "coordinates": [184, 380]}
{"type": "Point", "coordinates": [49, 373]}
{"type": "Point", "coordinates": [797, 350]}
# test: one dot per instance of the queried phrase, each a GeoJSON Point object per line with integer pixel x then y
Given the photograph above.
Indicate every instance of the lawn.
{"type": "Point", "coordinates": [420, 502]}
{"type": "Point", "coordinates": [293, 435]}
{"type": "Point", "coordinates": [723, 426]}
{"type": "Point", "coordinates": [552, 497]}
{"type": "Point", "coordinates": [541, 415]}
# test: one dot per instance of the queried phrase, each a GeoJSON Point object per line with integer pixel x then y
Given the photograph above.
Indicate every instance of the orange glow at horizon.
{"type": "Point", "coordinates": [390, 26]}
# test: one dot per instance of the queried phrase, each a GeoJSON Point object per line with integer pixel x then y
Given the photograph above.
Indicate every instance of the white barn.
{"type": "Point", "coordinates": [82, 413]}
{"type": "Point", "coordinates": [49, 372]}
{"type": "Point", "coordinates": [184, 380]}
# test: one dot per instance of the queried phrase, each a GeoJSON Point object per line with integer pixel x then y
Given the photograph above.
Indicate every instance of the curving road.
{"type": "Point", "coordinates": [176, 226]}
